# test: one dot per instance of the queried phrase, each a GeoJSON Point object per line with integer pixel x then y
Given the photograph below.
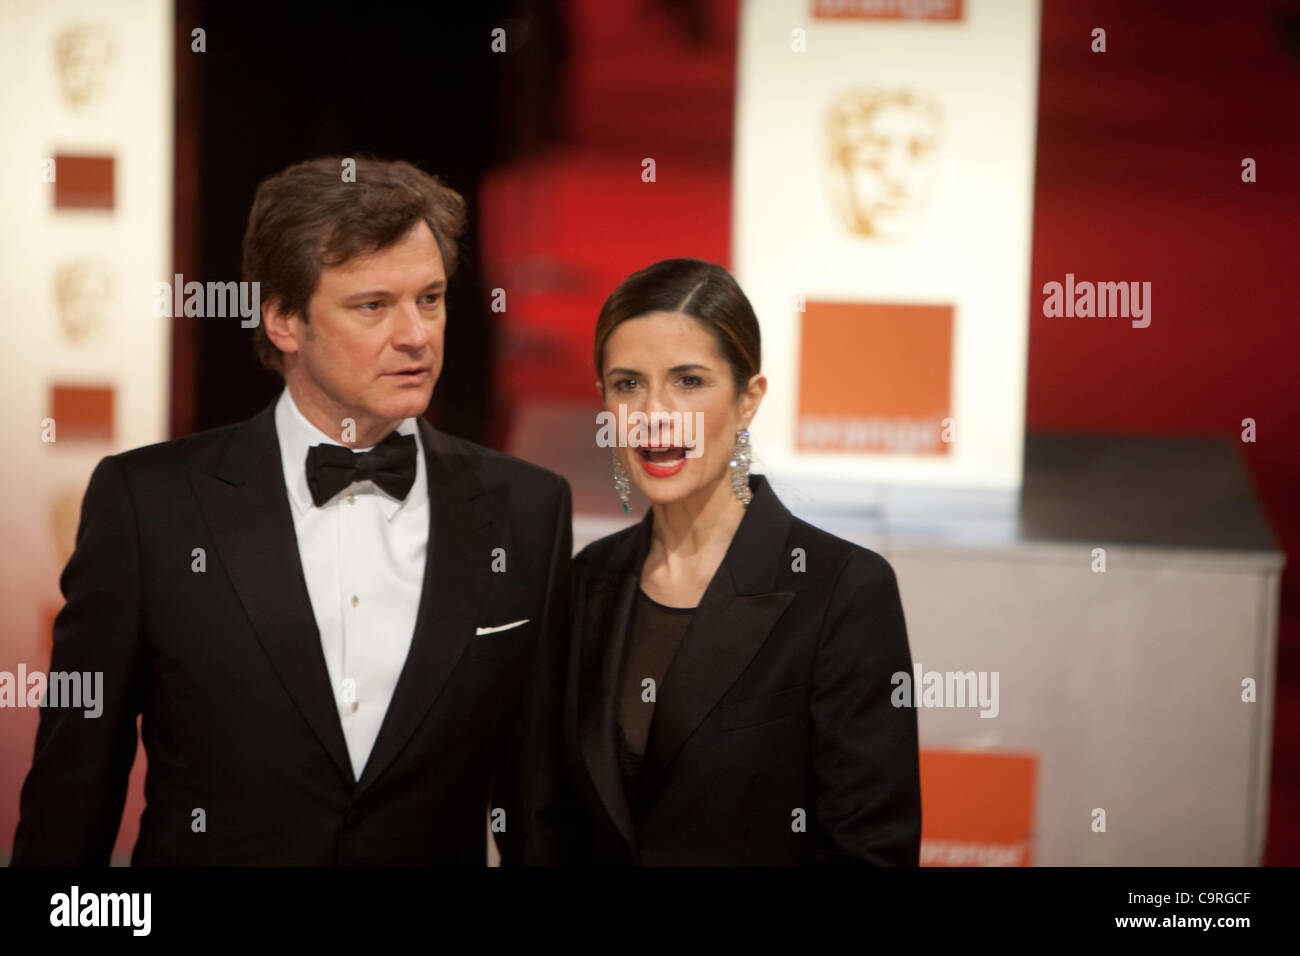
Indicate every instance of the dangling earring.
{"type": "Point", "coordinates": [740, 468]}
{"type": "Point", "coordinates": [621, 484]}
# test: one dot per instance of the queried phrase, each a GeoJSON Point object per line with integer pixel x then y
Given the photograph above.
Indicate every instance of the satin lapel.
{"type": "Point", "coordinates": [734, 618]}
{"type": "Point", "coordinates": [456, 569]}
{"type": "Point", "coordinates": [607, 611]}
{"type": "Point", "coordinates": [247, 510]}
{"type": "Point", "coordinates": [724, 635]}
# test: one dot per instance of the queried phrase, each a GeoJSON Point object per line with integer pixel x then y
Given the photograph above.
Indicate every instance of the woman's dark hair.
{"type": "Point", "coordinates": [706, 292]}
{"type": "Point", "coordinates": [308, 217]}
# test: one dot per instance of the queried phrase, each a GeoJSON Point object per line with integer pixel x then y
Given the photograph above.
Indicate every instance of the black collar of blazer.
{"type": "Point", "coordinates": [247, 509]}
{"type": "Point", "coordinates": [737, 612]}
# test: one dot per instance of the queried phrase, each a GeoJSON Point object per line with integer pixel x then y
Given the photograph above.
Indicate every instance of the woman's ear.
{"type": "Point", "coordinates": [752, 398]}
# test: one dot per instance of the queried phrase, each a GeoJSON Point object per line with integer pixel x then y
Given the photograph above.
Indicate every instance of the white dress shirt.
{"type": "Point", "coordinates": [363, 555]}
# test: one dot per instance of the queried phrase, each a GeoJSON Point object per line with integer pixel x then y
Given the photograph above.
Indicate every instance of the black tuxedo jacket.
{"type": "Point", "coordinates": [774, 740]}
{"type": "Point", "coordinates": [247, 762]}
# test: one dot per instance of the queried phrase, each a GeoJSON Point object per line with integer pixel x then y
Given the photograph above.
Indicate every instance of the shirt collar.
{"type": "Point", "coordinates": [297, 435]}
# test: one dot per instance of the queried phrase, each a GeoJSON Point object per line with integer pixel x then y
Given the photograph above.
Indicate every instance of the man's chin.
{"type": "Point", "coordinates": [410, 403]}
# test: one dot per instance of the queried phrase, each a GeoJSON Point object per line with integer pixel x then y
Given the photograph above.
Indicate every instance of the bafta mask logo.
{"type": "Point", "coordinates": [884, 160]}
{"type": "Point", "coordinates": [81, 291]}
{"type": "Point", "coordinates": [82, 56]}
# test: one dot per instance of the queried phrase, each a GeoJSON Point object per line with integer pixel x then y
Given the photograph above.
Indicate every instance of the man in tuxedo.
{"type": "Point", "coordinates": [339, 626]}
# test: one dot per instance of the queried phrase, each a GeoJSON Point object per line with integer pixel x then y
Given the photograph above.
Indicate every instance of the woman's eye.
{"type": "Point", "coordinates": [625, 384]}
{"type": "Point", "coordinates": [691, 381]}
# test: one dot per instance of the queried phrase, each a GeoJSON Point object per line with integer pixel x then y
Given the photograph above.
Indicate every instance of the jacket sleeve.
{"type": "Point", "coordinates": [550, 808]}
{"type": "Point", "coordinates": [865, 756]}
{"type": "Point", "coordinates": [71, 802]}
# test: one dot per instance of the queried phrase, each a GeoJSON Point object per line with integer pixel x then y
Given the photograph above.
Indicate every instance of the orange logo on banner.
{"type": "Point", "coordinates": [977, 808]}
{"type": "Point", "coordinates": [83, 182]}
{"type": "Point", "coordinates": [82, 413]}
{"type": "Point", "coordinates": [887, 9]}
{"type": "Point", "coordinates": [874, 378]}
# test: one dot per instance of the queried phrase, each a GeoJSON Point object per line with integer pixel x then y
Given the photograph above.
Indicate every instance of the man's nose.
{"type": "Point", "coordinates": [411, 333]}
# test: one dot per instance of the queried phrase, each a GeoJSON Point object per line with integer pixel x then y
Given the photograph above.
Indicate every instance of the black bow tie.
{"type": "Point", "coordinates": [390, 465]}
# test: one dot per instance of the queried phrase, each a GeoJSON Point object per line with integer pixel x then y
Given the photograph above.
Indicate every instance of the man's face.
{"type": "Point", "coordinates": [372, 350]}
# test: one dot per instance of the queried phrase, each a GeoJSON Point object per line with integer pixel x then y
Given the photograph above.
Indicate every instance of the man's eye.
{"type": "Point", "coordinates": [367, 306]}
{"type": "Point", "coordinates": [433, 298]}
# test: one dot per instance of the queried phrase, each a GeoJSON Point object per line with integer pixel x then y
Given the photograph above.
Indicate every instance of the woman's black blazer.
{"type": "Point", "coordinates": [774, 739]}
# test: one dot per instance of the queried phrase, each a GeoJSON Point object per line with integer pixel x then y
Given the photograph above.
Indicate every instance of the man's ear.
{"type": "Point", "coordinates": [284, 329]}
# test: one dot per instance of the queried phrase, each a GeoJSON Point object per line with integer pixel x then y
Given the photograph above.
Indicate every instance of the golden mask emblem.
{"type": "Point", "coordinates": [83, 54]}
{"type": "Point", "coordinates": [81, 291]}
{"type": "Point", "coordinates": [884, 148]}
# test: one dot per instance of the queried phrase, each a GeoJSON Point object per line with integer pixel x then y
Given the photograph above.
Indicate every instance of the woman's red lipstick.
{"type": "Point", "coordinates": [661, 461]}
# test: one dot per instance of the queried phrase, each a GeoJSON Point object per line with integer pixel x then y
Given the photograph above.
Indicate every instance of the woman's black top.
{"type": "Point", "coordinates": [657, 631]}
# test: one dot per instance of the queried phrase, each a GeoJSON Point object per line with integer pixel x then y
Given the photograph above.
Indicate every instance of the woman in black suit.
{"type": "Point", "coordinates": [728, 699]}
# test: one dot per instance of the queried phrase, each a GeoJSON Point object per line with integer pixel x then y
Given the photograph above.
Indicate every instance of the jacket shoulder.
{"type": "Point", "coordinates": [496, 465]}
{"type": "Point", "coordinates": [853, 564]}
{"type": "Point", "coordinates": [191, 449]}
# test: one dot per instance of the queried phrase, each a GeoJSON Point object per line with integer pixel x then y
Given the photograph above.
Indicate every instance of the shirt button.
{"type": "Point", "coordinates": [352, 499]}
{"type": "Point", "coordinates": [355, 600]}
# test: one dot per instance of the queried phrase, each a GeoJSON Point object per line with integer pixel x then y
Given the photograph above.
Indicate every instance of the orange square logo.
{"type": "Point", "coordinates": [83, 182]}
{"type": "Point", "coordinates": [82, 413]}
{"type": "Point", "coordinates": [977, 808]}
{"type": "Point", "coordinates": [874, 378]}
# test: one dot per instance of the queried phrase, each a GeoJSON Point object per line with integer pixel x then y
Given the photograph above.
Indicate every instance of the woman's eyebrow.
{"type": "Point", "coordinates": [676, 368]}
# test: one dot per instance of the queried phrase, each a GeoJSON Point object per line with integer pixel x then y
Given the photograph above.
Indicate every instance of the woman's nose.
{"type": "Point", "coordinates": [657, 399]}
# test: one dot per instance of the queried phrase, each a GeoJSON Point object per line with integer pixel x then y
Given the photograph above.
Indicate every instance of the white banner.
{"type": "Point", "coordinates": [882, 223]}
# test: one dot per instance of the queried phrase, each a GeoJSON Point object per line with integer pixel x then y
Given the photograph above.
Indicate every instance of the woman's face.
{"type": "Point", "coordinates": [665, 369]}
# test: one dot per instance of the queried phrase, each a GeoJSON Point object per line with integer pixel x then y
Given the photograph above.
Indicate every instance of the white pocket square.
{"type": "Point", "coordinates": [480, 631]}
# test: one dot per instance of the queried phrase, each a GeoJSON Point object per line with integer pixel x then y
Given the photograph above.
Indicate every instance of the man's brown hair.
{"type": "Point", "coordinates": [308, 218]}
